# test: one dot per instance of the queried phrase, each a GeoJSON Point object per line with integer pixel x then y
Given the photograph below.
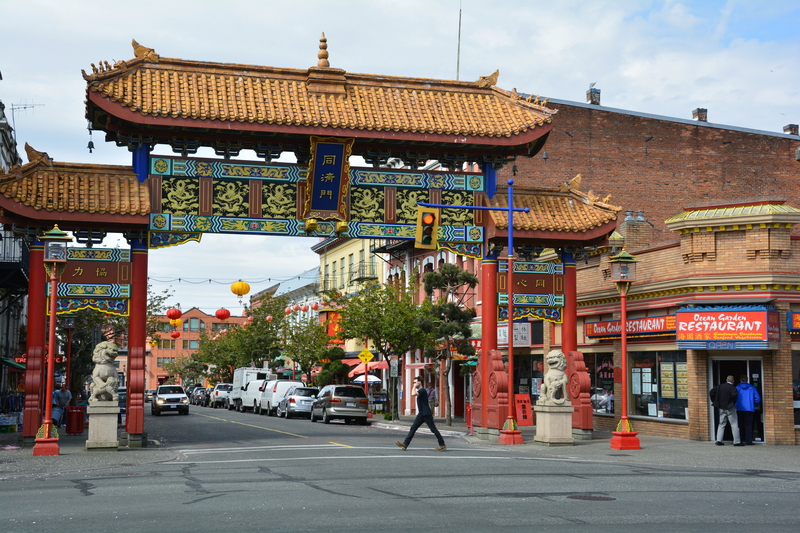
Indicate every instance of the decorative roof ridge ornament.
{"type": "Point", "coordinates": [35, 156]}
{"type": "Point", "coordinates": [574, 183]}
{"type": "Point", "coordinates": [147, 54]}
{"type": "Point", "coordinates": [484, 82]}
{"type": "Point", "coordinates": [322, 55]}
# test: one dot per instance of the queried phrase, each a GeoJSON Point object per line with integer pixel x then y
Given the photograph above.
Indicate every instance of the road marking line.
{"type": "Point", "coordinates": [257, 427]}
{"type": "Point", "coordinates": [254, 448]}
{"type": "Point", "coordinates": [437, 456]}
{"type": "Point", "coordinates": [337, 444]}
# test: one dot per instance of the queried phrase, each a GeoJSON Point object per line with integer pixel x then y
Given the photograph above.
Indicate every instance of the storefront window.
{"type": "Point", "coordinates": [796, 386]}
{"type": "Point", "coordinates": [659, 384]}
{"type": "Point", "coordinates": [601, 376]}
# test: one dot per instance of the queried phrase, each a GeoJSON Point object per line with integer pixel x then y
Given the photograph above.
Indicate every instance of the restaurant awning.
{"type": "Point", "coordinates": [12, 364]}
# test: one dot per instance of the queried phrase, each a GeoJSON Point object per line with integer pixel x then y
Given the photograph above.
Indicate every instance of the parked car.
{"type": "Point", "coordinates": [148, 395]}
{"type": "Point", "coordinates": [170, 398]}
{"type": "Point", "coordinates": [198, 396]}
{"type": "Point", "coordinates": [297, 401]}
{"type": "Point", "coordinates": [219, 396]}
{"type": "Point", "coordinates": [346, 402]}
{"type": "Point", "coordinates": [251, 394]}
{"type": "Point", "coordinates": [272, 393]}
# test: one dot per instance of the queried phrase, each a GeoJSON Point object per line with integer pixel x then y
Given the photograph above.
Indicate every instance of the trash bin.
{"type": "Point", "coordinates": [75, 417]}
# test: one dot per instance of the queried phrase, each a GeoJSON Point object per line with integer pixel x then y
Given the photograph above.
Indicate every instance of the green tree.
{"type": "Point", "coordinates": [448, 320]}
{"type": "Point", "coordinates": [306, 342]}
{"type": "Point", "coordinates": [189, 369]}
{"type": "Point", "coordinates": [387, 317]}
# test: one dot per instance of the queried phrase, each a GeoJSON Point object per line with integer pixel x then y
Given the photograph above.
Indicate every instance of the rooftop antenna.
{"type": "Point", "coordinates": [458, 55]}
{"type": "Point", "coordinates": [14, 109]}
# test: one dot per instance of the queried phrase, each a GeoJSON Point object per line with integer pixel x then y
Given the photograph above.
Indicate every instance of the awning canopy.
{"type": "Point", "coordinates": [12, 364]}
{"type": "Point", "coordinates": [372, 365]}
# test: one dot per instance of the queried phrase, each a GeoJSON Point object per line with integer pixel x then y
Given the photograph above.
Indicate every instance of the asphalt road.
{"type": "Point", "coordinates": [217, 470]}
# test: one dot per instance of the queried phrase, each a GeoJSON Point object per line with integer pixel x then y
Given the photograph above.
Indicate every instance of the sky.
{"type": "Point", "coordinates": [740, 59]}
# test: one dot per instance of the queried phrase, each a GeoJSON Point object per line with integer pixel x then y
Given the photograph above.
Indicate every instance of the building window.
{"type": "Point", "coordinates": [166, 344]}
{"type": "Point", "coordinates": [350, 272]}
{"type": "Point", "coordinates": [190, 344]}
{"type": "Point", "coordinates": [659, 384]}
{"type": "Point", "coordinates": [165, 327]}
{"type": "Point", "coordinates": [601, 377]}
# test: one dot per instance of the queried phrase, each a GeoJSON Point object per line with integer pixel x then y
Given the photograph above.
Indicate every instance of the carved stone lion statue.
{"type": "Point", "coordinates": [554, 385]}
{"type": "Point", "coordinates": [104, 376]}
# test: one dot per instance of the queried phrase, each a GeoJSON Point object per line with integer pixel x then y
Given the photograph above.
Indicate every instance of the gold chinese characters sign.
{"type": "Point", "coordinates": [328, 179]}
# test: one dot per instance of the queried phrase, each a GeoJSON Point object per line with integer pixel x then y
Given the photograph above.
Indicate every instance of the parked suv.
{"type": "Point", "coordinates": [219, 396]}
{"type": "Point", "coordinates": [272, 393]}
{"type": "Point", "coordinates": [298, 401]}
{"type": "Point", "coordinates": [347, 402]}
{"type": "Point", "coordinates": [169, 398]}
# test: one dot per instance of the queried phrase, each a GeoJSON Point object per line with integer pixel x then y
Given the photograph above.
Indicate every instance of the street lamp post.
{"type": "Point", "coordinates": [55, 259]}
{"type": "Point", "coordinates": [623, 274]}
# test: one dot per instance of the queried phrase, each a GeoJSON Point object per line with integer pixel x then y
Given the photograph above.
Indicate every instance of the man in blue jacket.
{"type": "Point", "coordinates": [746, 404]}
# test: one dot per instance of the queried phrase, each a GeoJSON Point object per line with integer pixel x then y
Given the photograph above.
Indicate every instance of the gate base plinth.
{"type": "Point", "coordinates": [510, 437]}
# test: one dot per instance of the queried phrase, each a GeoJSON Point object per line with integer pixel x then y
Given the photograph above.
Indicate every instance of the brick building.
{"type": "Point", "coordinates": [712, 214]}
{"type": "Point", "coordinates": [166, 349]}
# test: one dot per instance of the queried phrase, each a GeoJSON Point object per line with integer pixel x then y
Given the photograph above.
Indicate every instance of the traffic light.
{"type": "Point", "coordinates": [427, 227]}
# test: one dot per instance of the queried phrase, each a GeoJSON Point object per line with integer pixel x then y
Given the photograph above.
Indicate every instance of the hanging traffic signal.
{"type": "Point", "coordinates": [427, 227]}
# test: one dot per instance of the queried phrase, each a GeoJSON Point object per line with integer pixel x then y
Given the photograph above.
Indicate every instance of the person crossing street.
{"type": "Point", "coordinates": [424, 414]}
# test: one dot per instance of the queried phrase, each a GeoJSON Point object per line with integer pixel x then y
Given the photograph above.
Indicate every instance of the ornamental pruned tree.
{"type": "Point", "coordinates": [448, 320]}
{"type": "Point", "coordinates": [385, 317]}
{"type": "Point", "coordinates": [306, 343]}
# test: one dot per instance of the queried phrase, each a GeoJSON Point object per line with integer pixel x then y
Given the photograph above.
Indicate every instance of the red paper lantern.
{"type": "Point", "coordinates": [305, 308]}
{"type": "Point", "coordinates": [288, 310]}
{"type": "Point", "coordinates": [173, 313]}
{"type": "Point", "coordinates": [296, 307]}
{"type": "Point", "coordinates": [315, 306]}
{"type": "Point", "coordinates": [269, 318]}
{"type": "Point", "coordinates": [223, 314]}
{"type": "Point", "coordinates": [175, 334]}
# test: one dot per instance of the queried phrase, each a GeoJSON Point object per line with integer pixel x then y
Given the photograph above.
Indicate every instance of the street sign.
{"type": "Point", "coordinates": [365, 356]}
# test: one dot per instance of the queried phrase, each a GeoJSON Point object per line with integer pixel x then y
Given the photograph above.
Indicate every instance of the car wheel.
{"type": "Point", "coordinates": [363, 421]}
{"type": "Point", "coordinates": [185, 413]}
{"type": "Point", "coordinates": [256, 408]}
{"type": "Point", "coordinates": [269, 410]}
{"type": "Point", "coordinates": [156, 413]}
{"type": "Point", "coordinates": [325, 418]}
{"type": "Point", "coordinates": [348, 421]}
{"type": "Point", "coordinates": [313, 417]}
{"type": "Point", "coordinates": [287, 414]}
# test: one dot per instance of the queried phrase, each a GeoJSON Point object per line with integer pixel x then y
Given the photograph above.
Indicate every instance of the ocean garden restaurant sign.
{"type": "Point", "coordinates": [745, 327]}
{"type": "Point", "coordinates": [644, 326]}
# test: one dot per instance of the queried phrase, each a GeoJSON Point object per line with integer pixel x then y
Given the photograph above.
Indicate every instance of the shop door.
{"type": "Point", "coordinates": [722, 368]}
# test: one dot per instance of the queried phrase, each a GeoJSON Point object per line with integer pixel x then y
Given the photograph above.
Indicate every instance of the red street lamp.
{"type": "Point", "coordinates": [623, 274]}
{"type": "Point", "coordinates": [55, 259]}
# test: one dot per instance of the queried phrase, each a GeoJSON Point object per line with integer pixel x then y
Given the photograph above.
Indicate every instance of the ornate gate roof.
{"type": "Point", "coordinates": [233, 106]}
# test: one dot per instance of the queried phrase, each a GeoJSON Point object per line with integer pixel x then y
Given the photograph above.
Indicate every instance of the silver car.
{"type": "Point", "coordinates": [346, 402]}
{"type": "Point", "coordinates": [297, 401]}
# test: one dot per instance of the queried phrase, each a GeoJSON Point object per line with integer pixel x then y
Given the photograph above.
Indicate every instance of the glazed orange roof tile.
{"type": "Point", "coordinates": [358, 104]}
{"type": "Point", "coordinates": [561, 209]}
{"type": "Point", "coordinates": [43, 185]}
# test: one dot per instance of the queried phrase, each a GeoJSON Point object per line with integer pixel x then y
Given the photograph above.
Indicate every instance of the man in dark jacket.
{"type": "Point", "coordinates": [724, 396]}
{"type": "Point", "coordinates": [746, 405]}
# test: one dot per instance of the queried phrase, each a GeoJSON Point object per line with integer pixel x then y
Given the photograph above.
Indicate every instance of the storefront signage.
{"type": "Point", "coordinates": [793, 321]}
{"type": "Point", "coordinates": [522, 405]}
{"type": "Point", "coordinates": [727, 328]}
{"type": "Point", "coordinates": [522, 335]}
{"type": "Point", "coordinates": [634, 326]}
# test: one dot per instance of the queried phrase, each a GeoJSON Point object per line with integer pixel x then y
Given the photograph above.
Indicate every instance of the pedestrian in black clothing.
{"type": "Point", "coordinates": [724, 396]}
{"type": "Point", "coordinates": [424, 414]}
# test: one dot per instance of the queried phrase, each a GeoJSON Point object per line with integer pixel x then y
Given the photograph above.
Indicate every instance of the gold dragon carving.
{"type": "Point", "coordinates": [366, 204]}
{"type": "Point", "coordinates": [231, 198]}
{"type": "Point", "coordinates": [278, 201]}
{"type": "Point", "coordinates": [407, 204]}
{"type": "Point", "coordinates": [180, 196]}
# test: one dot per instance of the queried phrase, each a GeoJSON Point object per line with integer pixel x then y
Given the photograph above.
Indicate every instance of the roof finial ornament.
{"type": "Point", "coordinates": [148, 54]}
{"type": "Point", "coordinates": [487, 81]}
{"type": "Point", "coordinates": [322, 55]}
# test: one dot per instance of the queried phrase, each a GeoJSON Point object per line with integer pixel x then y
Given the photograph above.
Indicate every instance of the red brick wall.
{"type": "Point", "coordinates": [682, 165]}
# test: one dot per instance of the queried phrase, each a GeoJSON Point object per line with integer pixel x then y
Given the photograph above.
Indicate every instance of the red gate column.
{"type": "Point", "coordinates": [488, 337]}
{"type": "Point", "coordinates": [137, 340]}
{"type": "Point", "coordinates": [569, 325]}
{"type": "Point", "coordinates": [37, 318]}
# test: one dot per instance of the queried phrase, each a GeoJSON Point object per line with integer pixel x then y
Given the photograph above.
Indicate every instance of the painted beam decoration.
{"type": "Point", "coordinates": [95, 278]}
{"type": "Point", "coordinates": [538, 290]}
{"type": "Point", "coordinates": [190, 197]}
{"type": "Point", "coordinates": [745, 327]}
{"type": "Point", "coordinates": [328, 178]}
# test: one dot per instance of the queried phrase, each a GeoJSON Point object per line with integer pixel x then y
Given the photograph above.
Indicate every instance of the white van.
{"type": "Point", "coordinates": [274, 391]}
{"type": "Point", "coordinates": [251, 396]}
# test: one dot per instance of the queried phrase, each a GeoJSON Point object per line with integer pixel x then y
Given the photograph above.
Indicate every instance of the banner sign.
{"type": "Point", "coordinates": [522, 405]}
{"type": "Point", "coordinates": [328, 178]}
{"type": "Point", "coordinates": [728, 328]}
{"type": "Point", "coordinates": [534, 284]}
{"type": "Point", "coordinates": [650, 325]}
{"type": "Point", "coordinates": [793, 321]}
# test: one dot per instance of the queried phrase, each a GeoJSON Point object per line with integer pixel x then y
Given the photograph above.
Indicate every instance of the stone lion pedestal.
{"type": "Point", "coordinates": [554, 410]}
{"type": "Point", "coordinates": [553, 425]}
{"type": "Point", "coordinates": [103, 425]}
